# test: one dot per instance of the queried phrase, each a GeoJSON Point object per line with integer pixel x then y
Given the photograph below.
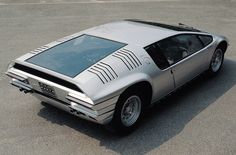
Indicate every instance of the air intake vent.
{"type": "Point", "coordinates": [104, 72]}
{"type": "Point", "coordinates": [40, 49]}
{"type": "Point", "coordinates": [128, 58]}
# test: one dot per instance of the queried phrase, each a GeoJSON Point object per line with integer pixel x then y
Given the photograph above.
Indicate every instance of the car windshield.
{"type": "Point", "coordinates": [74, 56]}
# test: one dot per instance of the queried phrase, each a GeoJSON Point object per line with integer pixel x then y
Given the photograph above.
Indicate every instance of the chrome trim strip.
{"type": "Point", "coordinates": [20, 84]}
{"type": "Point", "coordinates": [83, 98]}
{"type": "Point", "coordinates": [13, 75]}
{"type": "Point", "coordinates": [84, 110]}
{"type": "Point", "coordinates": [72, 99]}
{"type": "Point", "coordinates": [101, 120]}
{"type": "Point", "coordinates": [83, 106]}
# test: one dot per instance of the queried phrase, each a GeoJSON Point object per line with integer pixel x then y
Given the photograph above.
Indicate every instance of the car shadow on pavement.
{"type": "Point", "coordinates": [161, 122]}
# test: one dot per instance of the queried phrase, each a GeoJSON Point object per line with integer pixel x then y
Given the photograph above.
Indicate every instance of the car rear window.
{"type": "Point", "coordinates": [74, 56]}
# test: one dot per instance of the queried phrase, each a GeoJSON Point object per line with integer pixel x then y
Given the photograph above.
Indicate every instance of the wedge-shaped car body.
{"type": "Point", "coordinates": [108, 74]}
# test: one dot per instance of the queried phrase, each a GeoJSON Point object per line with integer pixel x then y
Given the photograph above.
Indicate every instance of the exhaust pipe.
{"type": "Point", "coordinates": [25, 91]}
{"type": "Point", "coordinates": [72, 111]}
{"type": "Point", "coordinates": [75, 112]}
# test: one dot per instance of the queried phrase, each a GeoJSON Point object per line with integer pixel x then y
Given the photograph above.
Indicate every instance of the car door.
{"type": "Point", "coordinates": [163, 80]}
{"type": "Point", "coordinates": [186, 56]}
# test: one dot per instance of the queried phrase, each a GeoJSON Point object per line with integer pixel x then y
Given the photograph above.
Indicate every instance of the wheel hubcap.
{"type": "Point", "coordinates": [216, 60]}
{"type": "Point", "coordinates": [131, 110]}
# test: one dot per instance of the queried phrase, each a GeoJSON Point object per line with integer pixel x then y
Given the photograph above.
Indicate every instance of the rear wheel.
{"type": "Point", "coordinates": [216, 61]}
{"type": "Point", "coordinates": [129, 109]}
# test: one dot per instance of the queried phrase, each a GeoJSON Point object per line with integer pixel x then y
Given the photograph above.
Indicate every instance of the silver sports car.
{"type": "Point", "coordinates": [110, 73]}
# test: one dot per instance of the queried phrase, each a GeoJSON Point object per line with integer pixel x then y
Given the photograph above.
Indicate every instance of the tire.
{"type": "Point", "coordinates": [128, 112]}
{"type": "Point", "coordinates": [216, 61]}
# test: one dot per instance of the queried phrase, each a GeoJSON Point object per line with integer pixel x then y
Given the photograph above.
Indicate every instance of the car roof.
{"type": "Point", "coordinates": [134, 32]}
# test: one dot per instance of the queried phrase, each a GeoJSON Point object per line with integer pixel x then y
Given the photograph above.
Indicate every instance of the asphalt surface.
{"type": "Point", "coordinates": [199, 119]}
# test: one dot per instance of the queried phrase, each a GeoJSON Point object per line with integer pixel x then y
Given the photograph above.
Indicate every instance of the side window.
{"type": "Point", "coordinates": [170, 50]}
{"type": "Point", "coordinates": [157, 56]}
{"type": "Point", "coordinates": [189, 43]}
{"type": "Point", "coordinates": [206, 40]}
{"type": "Point", "coordinates": [178, 47]}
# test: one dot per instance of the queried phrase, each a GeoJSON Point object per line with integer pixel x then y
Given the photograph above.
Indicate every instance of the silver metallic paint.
{"type": "Point", "coordinates": [97, 102]}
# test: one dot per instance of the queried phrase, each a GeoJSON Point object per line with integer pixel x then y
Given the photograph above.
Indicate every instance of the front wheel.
{"type": "Point", "coordinates": [128, 111]}
{"type": "Point", "coordinates": [216, 61]}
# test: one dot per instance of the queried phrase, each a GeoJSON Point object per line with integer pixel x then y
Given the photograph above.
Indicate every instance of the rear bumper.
{"type": "Point", "coordinates": [101, 112]}
{"type": "Point", "coordinates": [103, 119]}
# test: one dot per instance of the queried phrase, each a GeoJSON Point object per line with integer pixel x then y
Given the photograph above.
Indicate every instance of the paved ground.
{"type": "Point", "coordinates": [199, 119]}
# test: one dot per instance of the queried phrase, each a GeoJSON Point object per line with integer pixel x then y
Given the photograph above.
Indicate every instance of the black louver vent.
{"type": "Point", "coordinates": [40, 49]}
{"type": "Point", "coordinates": [104, 72]}
{"type": "Point", "coordinates": [128, 58]}
{"type": "Point", "coordinates": [47, 76]}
